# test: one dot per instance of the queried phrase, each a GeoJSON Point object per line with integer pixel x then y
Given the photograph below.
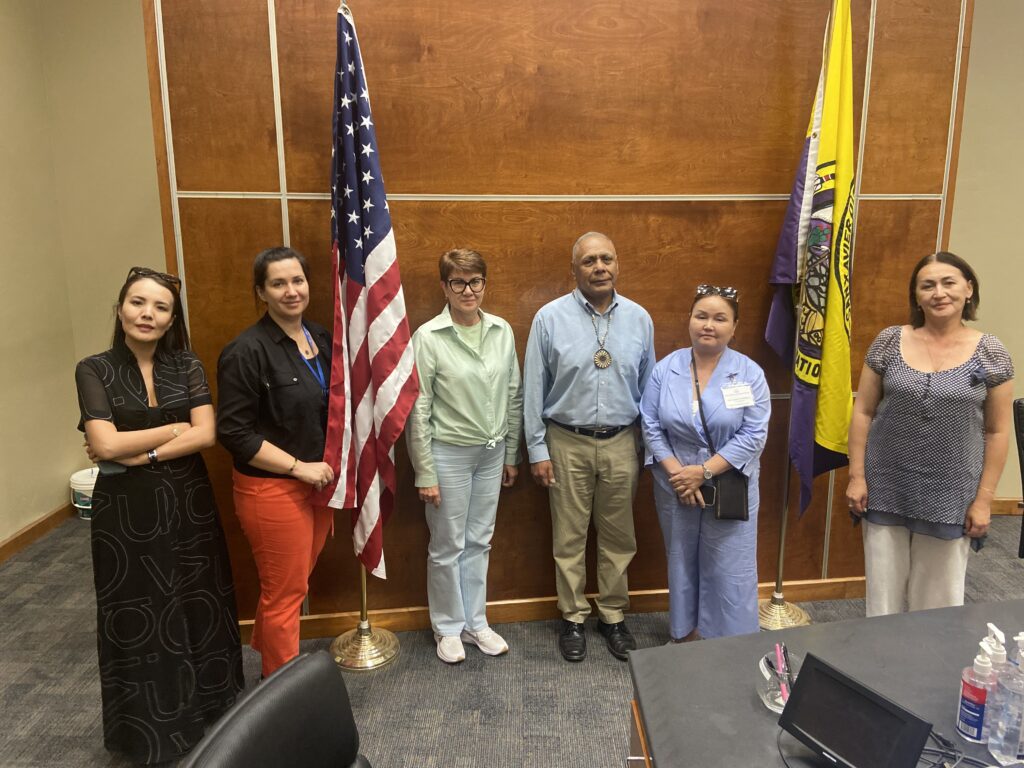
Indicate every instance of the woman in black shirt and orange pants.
{"type": "Point", "coordinates": [272, 417]}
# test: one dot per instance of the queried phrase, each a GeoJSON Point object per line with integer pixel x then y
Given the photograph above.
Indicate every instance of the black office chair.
{"type": "Point", "coordinates": [1018, 430]}
{"type": "Point", "coordinates": [298, 717]}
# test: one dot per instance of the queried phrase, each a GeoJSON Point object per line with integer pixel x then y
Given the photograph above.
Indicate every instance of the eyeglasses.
{"type": "Point", "coordinates": [458, 285]}
{"type": "Point", "coordinates": [147, 272]}
{"type": "Point", "coordinates": [726, 291]}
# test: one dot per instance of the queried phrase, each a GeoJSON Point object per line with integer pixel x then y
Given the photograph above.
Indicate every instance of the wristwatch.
{"type": "Point", "coordinates": [708, 474]}
{"type": "Point", "coordinates": [153, 458]}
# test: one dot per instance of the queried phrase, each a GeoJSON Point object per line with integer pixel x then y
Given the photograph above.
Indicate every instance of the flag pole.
{"type": "Point", "coordinates": [360, 440]}
{"type": "Point", "coordinates": [363, 649]}
{"type": "Point", "coordinates": [776, 613]}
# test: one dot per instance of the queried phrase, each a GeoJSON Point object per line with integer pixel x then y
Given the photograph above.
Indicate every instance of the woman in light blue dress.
{"type": "Point", "coordinates": [712, 564]}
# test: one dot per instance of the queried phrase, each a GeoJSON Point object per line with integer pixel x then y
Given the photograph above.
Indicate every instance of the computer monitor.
{"type": "Point", "coordinates": [849, 724]}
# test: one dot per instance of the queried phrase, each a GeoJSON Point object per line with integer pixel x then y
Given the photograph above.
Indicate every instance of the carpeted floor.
{"type": "Point", "coordinates": [528, 707]}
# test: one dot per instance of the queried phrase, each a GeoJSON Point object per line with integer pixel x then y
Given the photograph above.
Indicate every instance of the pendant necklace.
{"type": "Point", "coordinates": [602, 358]}
{"type": "Point", "coordinates": [942, 358]}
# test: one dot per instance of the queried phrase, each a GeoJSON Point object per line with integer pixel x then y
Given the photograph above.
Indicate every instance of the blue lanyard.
{"type": "Point", "coordinates": [318, 374]}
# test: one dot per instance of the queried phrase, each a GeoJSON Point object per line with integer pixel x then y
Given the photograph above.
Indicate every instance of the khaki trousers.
{"type": "Point", "coordinates": [594, 479]}
{"type": "Point", "coordinates": [912, 571]}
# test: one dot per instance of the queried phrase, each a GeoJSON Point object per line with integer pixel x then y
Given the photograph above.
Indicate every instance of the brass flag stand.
{"type": "Point", "coordinates": [776, 613]}
{"type": "Point", "coordinates": [364, 648]}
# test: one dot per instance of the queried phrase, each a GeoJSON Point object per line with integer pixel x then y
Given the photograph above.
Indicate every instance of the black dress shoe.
{"type": "Point", "coordinates": [572, 642]}
{"type": "Point", "coordinates": [620, 641]}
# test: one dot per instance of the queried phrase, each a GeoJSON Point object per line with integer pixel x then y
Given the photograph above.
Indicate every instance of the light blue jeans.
{"type": "Point", "coordinates": [460, 534]}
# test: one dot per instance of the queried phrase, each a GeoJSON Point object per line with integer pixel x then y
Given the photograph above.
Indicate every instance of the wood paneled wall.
{"type": "Point", "coordinates": [672, 125]}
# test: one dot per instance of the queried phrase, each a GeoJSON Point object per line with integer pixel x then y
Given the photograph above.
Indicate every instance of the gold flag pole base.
{"type": "Point", "coordinates": [776, 613]}
{"type": "Point", "coordinates": [364, 648]}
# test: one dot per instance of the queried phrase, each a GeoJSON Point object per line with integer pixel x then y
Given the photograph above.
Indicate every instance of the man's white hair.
{"type": "Point", "coordinates": [581, 238]}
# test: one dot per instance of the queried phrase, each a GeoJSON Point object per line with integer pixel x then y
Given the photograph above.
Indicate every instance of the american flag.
{"type": "Point", "coordinates": [373, 377]}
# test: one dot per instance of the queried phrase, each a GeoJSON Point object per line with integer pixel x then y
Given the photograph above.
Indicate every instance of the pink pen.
{"type": "Point", "coordinates": [780, 667]}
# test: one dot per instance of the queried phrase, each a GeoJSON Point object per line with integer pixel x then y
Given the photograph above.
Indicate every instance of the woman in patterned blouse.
{"type": "Point", "coordinates": [928, 441]}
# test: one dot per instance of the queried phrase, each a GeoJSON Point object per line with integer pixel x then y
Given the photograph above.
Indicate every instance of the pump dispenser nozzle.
{"type": "Point", "coordinates": [983, 661]}
{"type": "Point", "coordinates": [1019, 639]}
{"type": "Point", "coordinates": [996, 639]}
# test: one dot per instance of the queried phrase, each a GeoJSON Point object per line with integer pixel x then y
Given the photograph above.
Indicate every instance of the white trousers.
{"type": "Point", "coordinates": [912, 571]}
{"type": "Point", "coordinates": [460, 535]}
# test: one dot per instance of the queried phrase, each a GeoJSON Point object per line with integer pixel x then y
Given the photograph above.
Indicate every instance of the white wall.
{"type": "Point", "coordinates": [37, 394]}
{"type": "Point", "coordinates": [78, 206]}
{"type": "Point", "coordinates": [101, 142]}
{"type": "Point", "coordinates": [987, 203]}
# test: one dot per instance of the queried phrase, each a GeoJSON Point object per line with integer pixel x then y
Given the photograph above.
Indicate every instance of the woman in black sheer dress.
{"type": "Point", "coordinates": [167, 627]}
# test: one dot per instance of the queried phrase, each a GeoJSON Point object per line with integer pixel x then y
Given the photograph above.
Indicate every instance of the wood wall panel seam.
{"type": "Point", "coordinates": [958, 124]}
{"type": "Point", "coordinates": [163, 165]}
{"type": "Point", "coordinates": [282, 172]}
{"type": "Point", "coordinates": [218, 75]}
{"type": "Point", "coordinates": [959, 76]}
{"type": "Point", "coordinates": [912, 69]}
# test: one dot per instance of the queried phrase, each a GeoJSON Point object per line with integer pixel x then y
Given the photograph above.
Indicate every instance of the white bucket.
{"type": "Point", "coordinates": [82, 483]}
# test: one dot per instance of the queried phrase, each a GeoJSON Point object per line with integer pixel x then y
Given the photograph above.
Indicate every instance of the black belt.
{"type": "Point", "coordinates": [598, 434]}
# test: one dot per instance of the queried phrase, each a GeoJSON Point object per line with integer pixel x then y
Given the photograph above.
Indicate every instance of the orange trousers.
{"type": "Point", "coordinates": [286, 533]}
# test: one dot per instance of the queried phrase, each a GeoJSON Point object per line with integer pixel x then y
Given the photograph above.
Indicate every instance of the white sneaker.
{"type": "Point", "coordinates": [487, 640]}
{"type": "Point", "coordinates": [449, 649]}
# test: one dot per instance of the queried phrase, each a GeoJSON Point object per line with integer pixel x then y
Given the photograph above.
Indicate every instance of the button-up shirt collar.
{"type": "Point", "coordinates": [560, 379]}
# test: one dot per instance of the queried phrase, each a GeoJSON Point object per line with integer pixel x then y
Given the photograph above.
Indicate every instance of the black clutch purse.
{"type": "Point", "coordinates": [730, 497]}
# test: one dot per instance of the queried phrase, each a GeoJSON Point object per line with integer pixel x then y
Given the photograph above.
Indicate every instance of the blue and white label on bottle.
{"type": "Point", "coordinates": [971, 717]}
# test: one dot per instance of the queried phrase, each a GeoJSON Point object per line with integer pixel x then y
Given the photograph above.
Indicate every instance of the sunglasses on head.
{"type": "Point", "coordinates": [726, 292]}
{"type": "Point", "coordinates": [147, 272]}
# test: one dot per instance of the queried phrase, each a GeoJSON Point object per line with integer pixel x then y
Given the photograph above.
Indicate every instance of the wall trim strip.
{"type": "Point", "coordinates": [275, 76]}
{"type": "Point", "coordinates": [951, 132]}
{"type": "Point", "coordinates": [34, 531]}
{"type": "Point", "coordinates": [859, 177]}
{"type": "Point", "coordinates": [172, 173]}
{"type": "Point", "coordinates": [546, 608]}
{"type": "Point", "coordinates": [497, 198]}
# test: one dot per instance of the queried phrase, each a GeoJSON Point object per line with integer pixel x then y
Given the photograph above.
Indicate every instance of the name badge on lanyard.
{"type": "Point", "coordinates": [738, 396]}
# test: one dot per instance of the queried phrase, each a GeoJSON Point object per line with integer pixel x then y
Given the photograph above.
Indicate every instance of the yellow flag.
{"type": "Point", "coordinates": [811, 271]}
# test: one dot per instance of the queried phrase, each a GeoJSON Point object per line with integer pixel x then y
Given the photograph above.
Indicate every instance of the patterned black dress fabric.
{"type": "Point", "coordinates": [167, 627]}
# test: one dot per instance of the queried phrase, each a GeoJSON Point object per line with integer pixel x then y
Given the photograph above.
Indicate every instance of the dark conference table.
{"type": "Point", "coordinates": [699, 705]}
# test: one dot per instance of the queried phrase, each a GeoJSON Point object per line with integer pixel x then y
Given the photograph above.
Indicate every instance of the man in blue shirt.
{"type": "Point", "coordinates": [589, 356]}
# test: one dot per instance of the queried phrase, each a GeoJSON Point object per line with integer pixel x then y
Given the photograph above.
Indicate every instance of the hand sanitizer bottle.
{"type": "Point", "coordinates": [1016, 658]}
{"type": "Point", "coordinates": [1007, 714]}
{"type": "Point", "coordinates": [1000, 668]}
{"type": "Point", "coordinates": [975, 682]}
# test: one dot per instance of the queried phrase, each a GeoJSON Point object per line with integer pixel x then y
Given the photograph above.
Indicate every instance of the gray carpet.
{"type": "Point", "coordinates": [528, 707]}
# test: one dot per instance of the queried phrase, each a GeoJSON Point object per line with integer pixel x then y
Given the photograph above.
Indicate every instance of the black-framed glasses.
{"type": "Point", "coordinates": [458, 285]}
{"type": "Point", "coordinates": [725, 291]}
{"type": "Point", "coordinates": [147, 272]}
